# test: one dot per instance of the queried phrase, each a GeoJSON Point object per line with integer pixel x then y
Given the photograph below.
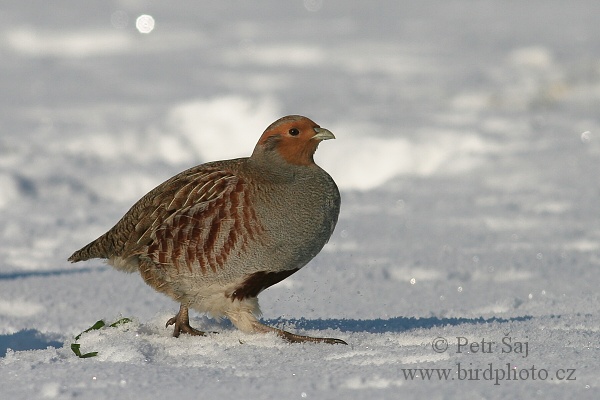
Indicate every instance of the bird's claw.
{"type": "Point", "coordinates": [182, 324]}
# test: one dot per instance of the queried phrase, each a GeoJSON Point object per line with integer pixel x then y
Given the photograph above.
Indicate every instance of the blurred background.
{"type": "Point", "coordinates": [467, 151]}
{"type": "Point", "coordinates": [467, 155]}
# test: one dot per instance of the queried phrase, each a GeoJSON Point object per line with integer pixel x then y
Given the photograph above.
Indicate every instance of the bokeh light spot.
{"type": "Point", "coordinates": [144, 23]}
{"type": "Point", "coordinates": [585, 137]}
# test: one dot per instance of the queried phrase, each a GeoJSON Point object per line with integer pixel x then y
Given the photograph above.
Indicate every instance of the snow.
{"type": "Point", "coordinates": [467, 154]}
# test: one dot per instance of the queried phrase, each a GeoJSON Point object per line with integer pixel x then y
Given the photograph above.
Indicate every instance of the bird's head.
{"type": "Point", "coordinates": [294, 138]}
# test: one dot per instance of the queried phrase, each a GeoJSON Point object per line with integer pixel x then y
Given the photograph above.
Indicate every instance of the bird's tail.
{"type": "Point", "coordinates": [95, 249]}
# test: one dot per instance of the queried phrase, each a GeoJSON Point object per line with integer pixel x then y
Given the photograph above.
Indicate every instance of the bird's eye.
{"type": "Point", "coordinates": [294, 132]}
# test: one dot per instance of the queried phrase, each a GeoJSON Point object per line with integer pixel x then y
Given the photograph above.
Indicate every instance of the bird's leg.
{"type": "Point", "coordinates": [182, 323]}
{"type": "Point", "coordinates": [243, 316]}
{"type": "Point", "coordinates": [294, 338]}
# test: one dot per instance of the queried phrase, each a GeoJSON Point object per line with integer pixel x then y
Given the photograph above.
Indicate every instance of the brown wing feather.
{"type": "Point", "coordinates": [194, 189]}
{"type": "Point", "coordinates": [195, 192]}
{"type": "Point", "coordinates": [201, 237]}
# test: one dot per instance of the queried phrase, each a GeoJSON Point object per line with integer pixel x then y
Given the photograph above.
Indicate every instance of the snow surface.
{"type": "Point", "coordinates": [468, 154]}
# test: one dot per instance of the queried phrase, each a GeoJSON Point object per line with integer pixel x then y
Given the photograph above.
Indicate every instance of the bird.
{"type": "Point", "coordinates": [216, 235]}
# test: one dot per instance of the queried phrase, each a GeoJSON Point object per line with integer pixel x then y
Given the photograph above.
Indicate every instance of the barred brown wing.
{"type": "Point", "coordinates": [212, 219]}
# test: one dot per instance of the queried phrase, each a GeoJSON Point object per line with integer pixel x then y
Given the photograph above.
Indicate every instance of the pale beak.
{"type": "Point", "coordinates": [323, 134]}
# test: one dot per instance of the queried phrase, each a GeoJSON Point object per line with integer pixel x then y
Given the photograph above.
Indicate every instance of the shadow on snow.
{"type": "Point", "coordinates": [397, 324]}
{"type": "Point", "coordinates": [44, 274]}
{"type": "Point", "coordinates": [28, 339]}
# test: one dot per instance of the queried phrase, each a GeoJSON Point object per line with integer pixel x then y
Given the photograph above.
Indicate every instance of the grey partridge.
{"type": "Point", "coordinates": [216, 235]}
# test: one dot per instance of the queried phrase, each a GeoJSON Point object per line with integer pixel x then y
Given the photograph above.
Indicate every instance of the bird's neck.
{"type": "Point", "coordinates": [273, 167]}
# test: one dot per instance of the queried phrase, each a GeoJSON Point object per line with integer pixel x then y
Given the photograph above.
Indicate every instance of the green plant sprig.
{"type": "Point", "coordinates": [76, 347]}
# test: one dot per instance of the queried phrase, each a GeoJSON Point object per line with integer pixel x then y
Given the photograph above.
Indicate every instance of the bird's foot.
{"type": "Point", "coordinates": [294, 338]}
{"type": "Point", "coordinates": [182, 323]}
